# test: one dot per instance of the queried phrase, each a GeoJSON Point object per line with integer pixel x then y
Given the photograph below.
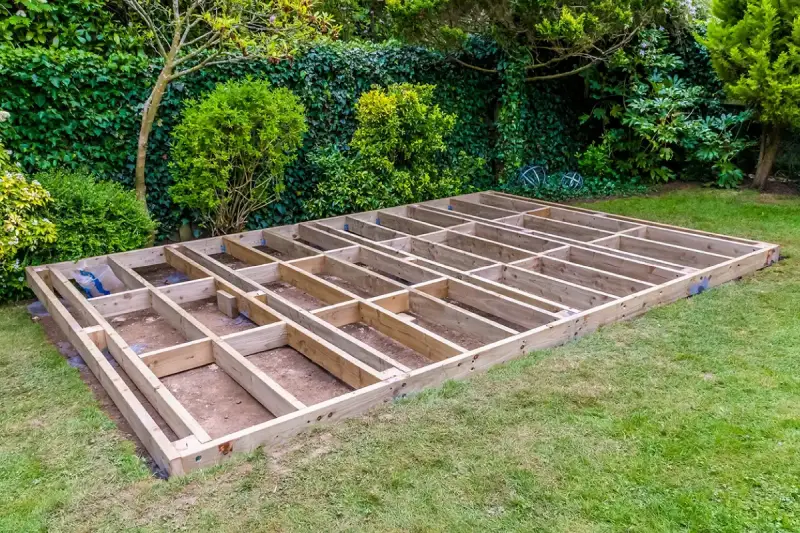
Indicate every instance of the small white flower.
{"type": "Point", "coordinates": [4, 115]}
{"type": "Point", "coordinates": [21, 13]}
{"type": "Point", "coordinates": [35, 182]}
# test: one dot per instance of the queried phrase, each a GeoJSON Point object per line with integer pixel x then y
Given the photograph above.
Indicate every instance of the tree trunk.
{"type": "Point", "coordinates": [770, 140]}
{"type": "Point", "coordinates": [148, 117]}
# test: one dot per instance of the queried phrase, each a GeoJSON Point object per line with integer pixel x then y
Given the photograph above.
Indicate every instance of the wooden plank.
{"type": "Point", "coordinates": [406, 225]}
{"type": "Point", "coordinates": [356, 239]}
{"type": "Point", "coordinates": [259, 339]}
{"type": "Point", "coordinates": [590, 277]}
{"type": "Point", "coordinates": [418, 339]}
{"type": "Point", "coordinates": [180, 358]}
{"type": "Point", "coordinates": [457, 319]}
{"type": "Point", "coordinates": [485, 248]}
{"type": "Point", "coordinates": [498, 305]}
{"type": "Point", "coordinates": [563, 229]}
{"type": "Point", "coordinates": [699, 242]}
{"type": "Point", "coordinates": [122, 302]}
{"type": "Point", "coordinates": [287, 246]}
{"type": "Point", "coordinates": [434, 216]}
{"type": "Point", "coordinates": [487, 277]}
{"type": "Point", "coordinates": [369, 230]}
{"type": "Point", "coordinates": [600, 222]}
{"type": "Point", "coordinates": [518, 239]}
{"type": "Point", "coordinates": [479, 210]}
{"type": "Point", "coordinates": [613, 263]}
{"type": "Point", "coordinates": [395, 267]}
{"type": "Point", "coordinates": [226, 303]}
{"type": "Point", "coordinates": [509, 204]}
{"type": "Point", "coordinates": [447, 255]}
{"type": "Point", "coordinates": [316, 287]}
{"type": "Point", "coordinates": [337, 362]}
{"type": "Point", "coordinates": [339, 314]}
{"type": "Point", "coordinates": [245, 253]}
{"type": "Point", "coordinates": [129, 278]}
{"type": "Point", "coordinates": [366, 280]}
{"type": "Point", "coordinates": [267, 391]}
{"type": "Point", "coordinates": [554, 289]}
{"type": "Point", "coordinates": [324, 240]}
{"type": "Point", "coordinates": [669, 252]}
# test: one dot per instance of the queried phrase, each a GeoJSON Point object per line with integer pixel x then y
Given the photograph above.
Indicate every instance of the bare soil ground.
{"type": "Point", "coordinates": [307, 381]}
{"type": "Point", "coordinates": [295, 295]}
{"type": "Point", "coordinates": [207, 312]}
{"type": "Point", "coordinates": [383, 343]}
{"type": "Point", "coordinates": [216, 401]}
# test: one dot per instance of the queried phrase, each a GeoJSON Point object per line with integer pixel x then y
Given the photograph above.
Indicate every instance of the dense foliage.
{"type": "Point", "coordinates": [398, 155]}
{"type": "Point", "coordinates": [92, 217]}
{"type": "Point", "coordinates": [656, 123]}
{"type": "Point", "coordinates": [74, 109]}
{"type": "Point", "coordinates": [231, 150]}
{"type": "Point", "coordinates": [548, 39]}
{"type": "Point", "coordinates": [86, 24]}
{"type": "Point", "coordinates": [25, 229]}
{"type": "Point", "coordinates": [755, 49]}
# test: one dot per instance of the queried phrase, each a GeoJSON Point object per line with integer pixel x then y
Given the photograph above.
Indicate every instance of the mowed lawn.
{"type": "Point", "coordinates": [685, 419]}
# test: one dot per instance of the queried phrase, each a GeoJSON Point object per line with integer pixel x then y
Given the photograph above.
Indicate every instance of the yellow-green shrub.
{"type": "Point", "coordinates": [398, 154]}
{"type": "Point", "coordinates": [25, 230]}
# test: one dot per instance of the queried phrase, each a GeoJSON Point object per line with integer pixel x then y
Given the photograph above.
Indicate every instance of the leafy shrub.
{"type": "Point", "coordinates": [231, 150]}
{"type": "Point", "coordinates": [25, 229]}
{"type": "Point", "coordinates": [92, 217]}
{"type": "Point", "coordinates": [656, 124]}
{"type": "Point", "coordinates": [86, 24]}
{"type": "Point", "coordinates": [5, 159]}
{"type": "Point", "coordinates": [399, 155]}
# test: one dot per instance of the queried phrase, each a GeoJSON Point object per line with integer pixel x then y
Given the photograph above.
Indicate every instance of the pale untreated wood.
{"type": "Point", "coordinates": [507, 272]}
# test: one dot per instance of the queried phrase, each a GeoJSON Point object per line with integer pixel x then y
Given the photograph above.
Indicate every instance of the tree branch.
{"type": "Point", "coordinates": [210, 62]}
{"type": "Point", "coordinates": [563, 74]}
{"type": "Point", "coordinates": [474, 67]}
{"type": "Point", "coordinates": [157, 37]}
{"type": "Point", "coordinates": [211, 42]}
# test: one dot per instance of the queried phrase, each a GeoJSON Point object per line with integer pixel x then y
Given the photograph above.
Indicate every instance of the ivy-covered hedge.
{"type": "Point", "coordinates": [75, 108]}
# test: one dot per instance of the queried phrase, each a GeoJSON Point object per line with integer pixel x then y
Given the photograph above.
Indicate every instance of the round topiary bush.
{"type": "Point", "coordinates": [231, 149]}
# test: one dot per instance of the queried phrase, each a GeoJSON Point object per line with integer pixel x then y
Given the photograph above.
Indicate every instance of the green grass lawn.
{"type": "Point", "coordinates": [686, 419]}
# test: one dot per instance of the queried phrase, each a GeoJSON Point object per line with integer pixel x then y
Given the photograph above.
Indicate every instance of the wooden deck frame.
{"type": "Point", "coordinates": [518, 274]}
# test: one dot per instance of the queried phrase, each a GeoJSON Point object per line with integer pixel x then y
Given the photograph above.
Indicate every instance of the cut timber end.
{"type": "Point", "coordinates": [444, 288]}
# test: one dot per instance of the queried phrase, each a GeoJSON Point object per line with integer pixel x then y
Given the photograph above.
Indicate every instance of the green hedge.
{"type": "Point", "coordinates": [73, 108]}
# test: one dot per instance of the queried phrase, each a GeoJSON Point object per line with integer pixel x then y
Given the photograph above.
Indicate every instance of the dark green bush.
{"type": "Point", "coordinates": [657, 126]}
{"type": "Point", "coordinates": [92, 217]}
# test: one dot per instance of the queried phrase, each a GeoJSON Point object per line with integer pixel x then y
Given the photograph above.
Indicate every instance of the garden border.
{"type": "Point", "coordinates": [519, 274]}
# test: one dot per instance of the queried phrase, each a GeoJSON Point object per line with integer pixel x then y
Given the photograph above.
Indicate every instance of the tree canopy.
{"type": "Point", "coordinates": [550, 38]}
